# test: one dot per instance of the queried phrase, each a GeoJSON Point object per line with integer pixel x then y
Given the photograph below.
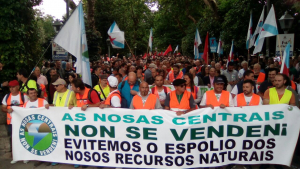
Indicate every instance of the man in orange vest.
{"type": "Point", "coordinates": [174, 74]}
{"type": "Point", "coordinates": [144, 99]}
{"type": "Point", "coordinates": [217, 97]}
{"type": "Point", "coordinates": [258, 76]}
{"type": "Point", "coordinates": [34, 101]}
{"type": "Point", "coordinates": [85, 97]}
{"type": "Point", "coordinates": [114, 97]}
{"type": "Point", "coordinates": [247, 98]}
{"type": "Point", "coordinates": [180, 100]}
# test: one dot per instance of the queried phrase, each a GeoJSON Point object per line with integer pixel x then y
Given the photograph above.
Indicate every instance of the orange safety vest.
{"type": "Point", "coordinates": [43, 88]}
{"type": "Point", "coordinates": [40, 102]}
{"type": "Point", "coordinates": [261, 77]}
{"type": "Point", "coordinates": [293, 85]}
{"type": "Point", "coordinates": [82, 101]}
{"type": "Point", "coordinates": [171, 75]}
{"type": "Point", "coordinates": [194, 94]}
{"type": "Point", "coordinates": [240, 98]}
{"type": "Point", "coordinates": [198, 70]}
{"type": "Point", "coordinates": [149, 104]}
{"type": "Point", "coordinates": [108, 99]}
{"type": "Point", "coordinates": [212, 99]}
{"type": "Point", "coordinates": [8, 103]}
{"type": "Point", "coordinates": [184, 103]}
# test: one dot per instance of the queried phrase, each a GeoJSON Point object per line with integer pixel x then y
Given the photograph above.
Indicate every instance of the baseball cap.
{"type": "Point", "coordinates": [218, 79]}
{"type": "Point", "coordinates": [112, 81]}
{"type": "Point", "coordinates": [13, 83]}
{"type": "Point", "coordinates": [152, 65]}
{"type": "Point", "coordinates": [59, 82]}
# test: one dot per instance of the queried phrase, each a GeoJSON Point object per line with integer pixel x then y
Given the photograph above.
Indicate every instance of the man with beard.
{"type": "Point", "coordinates": [268, 83]}
{"type": "Point", "coordinates": [238, 88]}
{"type": "Point", "coordinates": [174, 74]}
{"type": "Point", "coordinates": [231, 75]}
{"type": "Point", "coordinates": [144, 99]}
{"type": "Point", "coordinates": [247, 98]}
{"type": "Point", "coordinates": [279, 94]}
{"type": "Point", "coordinates": [159, 90]}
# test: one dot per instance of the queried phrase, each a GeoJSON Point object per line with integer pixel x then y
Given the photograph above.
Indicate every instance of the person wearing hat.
{"type": "Point", "coordinates": [114, 97]}
{"type": "Point", "coordinates": [14, 98]}
{"type": "Point", "coordinates": [63, 96]}
{"type": "Point", "coordinates": [174, 74]}
{"type": "Point", "coordinates": [102, 88]}
{"type": "Point", "coordinates": [180, 100]}
{"type": "Point", "coordinates": [144, 99]}
{"type": "Point", "coordinates": [217, 97]}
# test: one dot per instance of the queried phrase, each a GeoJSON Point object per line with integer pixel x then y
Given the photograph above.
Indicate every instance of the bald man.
{"type": "Point", "coordinates": [129, 88]}
{"type": "Point", "coordinates": [144, 99]}
{"type": "Point", "coordinates": [258, 75]}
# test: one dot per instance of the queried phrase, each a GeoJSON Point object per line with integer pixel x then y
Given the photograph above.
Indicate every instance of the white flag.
{"type": "Point", "coordinates": [197, 42]}
{"type": "Point", "coordinates": [176, 49]}
{"type": "Point", "coordinates": [258, 27]}
{"type": "Point", "coordinates": [72, 38]}
{"type": "Point", "coordinates": [150, 40]}
{"type": "Point", "coordinates": [116, 36]}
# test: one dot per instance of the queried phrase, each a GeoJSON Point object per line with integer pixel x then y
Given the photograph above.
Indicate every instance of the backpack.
{"type": "Point", "coordinates": [165, 90]}
{"type": "Point", "coordinates": [89, 95]}
{"type": "Point", "coordinates": [123, 100]}
{"type": "Point", "coordinates": [22, 98]}
{"type": "Point", "coordinates": [39, 89]}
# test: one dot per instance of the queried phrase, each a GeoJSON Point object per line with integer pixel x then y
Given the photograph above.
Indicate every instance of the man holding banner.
{"type": "Point", "coordinates": [180, 100]}
{"type": "Point", "coordinates": [247, 98]}
{"type": "Point", "coordinates": [217, 97]}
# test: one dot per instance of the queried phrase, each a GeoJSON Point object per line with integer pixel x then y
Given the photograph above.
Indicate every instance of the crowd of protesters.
{"type": "Point", "coordinates": [139, 83]}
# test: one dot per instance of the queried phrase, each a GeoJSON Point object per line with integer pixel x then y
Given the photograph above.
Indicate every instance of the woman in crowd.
{"type": "Point", "coordinates": [192, 88]}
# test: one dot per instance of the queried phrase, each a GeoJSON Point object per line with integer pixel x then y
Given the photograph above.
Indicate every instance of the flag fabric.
{"type": "Point", "coordinates": [145, 56]}
{"type": "Point", "coordinates": [176, 49]}
{"type": "Point", "coordinates": [150, 40]}
{"type": "Point", "coordinates": [169, 49]}
{"type": "Point", "coordinates": [258, 27]}
{"type": "Point", "coordinates": [270, 26]}
{"type": "Point", "coordinates": [205, 52]}
{"type": "Point", "coordinates": [72, 37]}
{"type": "Point", "coordinates": [230, 56]}
{"type": "Point", "coordinates": [197, 42]}
{"type": "Point", "coordinates": [249, 34]}
{"type": "Point", "coordinates": [116, 36]}
{"type": "Point", "coordinates": [285, 66]}
{"type": "Point", "coordinates": [268, 29]}
{"type": "Point", "coordinates": [220, 47]}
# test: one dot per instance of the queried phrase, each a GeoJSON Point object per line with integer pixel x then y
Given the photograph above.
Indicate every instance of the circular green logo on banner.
{"type": "Point", "coordinates": [290, 108]}
{"type": "Point", "coordinates": [38, 134]}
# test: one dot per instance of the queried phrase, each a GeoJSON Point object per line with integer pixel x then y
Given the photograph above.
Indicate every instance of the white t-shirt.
{"type": "Point", "coordinates": [247, 99]}
{"type": "Point", "coordinates": [15, 100]}
{"type": "Point", "coordinates": [34, 104]}
{"type": "Point", "coordinates": [235, 90]}
{"type": "Point", "coordinates": [115, 100]}
{"type": "Point", "coordinates": [241, 73]}
{"type": "Point", "coordinates": [162, 95]}
{"type": "Point", "coordinates": [203, 101]}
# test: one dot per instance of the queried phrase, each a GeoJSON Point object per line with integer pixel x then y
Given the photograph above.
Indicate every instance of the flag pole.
{"type": "Point", "coordinates": [129, 48]}
{"type": "Point", "coordinates": [248, 54]}
{"type": "Point", "coordinates": [280, 48]}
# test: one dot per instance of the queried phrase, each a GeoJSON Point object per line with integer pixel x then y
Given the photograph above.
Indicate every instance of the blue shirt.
{"type": "Point", "coordinates": [125, 91]}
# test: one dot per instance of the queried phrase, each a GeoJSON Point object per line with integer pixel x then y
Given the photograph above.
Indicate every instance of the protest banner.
{"type": "Point", "coordinates": [156, 138]}
{"type": "Point", "coordinates": [284, 40]}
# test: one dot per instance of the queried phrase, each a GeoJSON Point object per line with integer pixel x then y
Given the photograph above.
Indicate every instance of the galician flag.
{"type": "Point", "coordinates": [150, 40]}
{"type": "Point", "coordinates": [230, 56]}
{"type": "Point", "coordinates": [72, 38]}
{"type": "Point", "coordinates": [285, 66]}
{"type": "Point", "coordinates": [268, 29]}
{"type": "Point", "coordinates": [258, 27]}
{"type": "Point", "coordinates": [176, 49]}
{"type": "Point", "coordinates": [197, 42]}
{"type": "Point", "coordinates": [220, 47]}
{"type": "Point", "coordinates": [116, 36]}
{"type": "Point", "coordinates": [249, 34]}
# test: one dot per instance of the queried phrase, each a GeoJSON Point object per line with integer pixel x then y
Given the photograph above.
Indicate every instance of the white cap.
{"type": "Point", "coordinates": [113, 81]}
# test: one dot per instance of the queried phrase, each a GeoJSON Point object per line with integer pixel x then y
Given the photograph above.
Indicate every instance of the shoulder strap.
{"type": "Point", "coordinates": [89, 95]}
{"type": "Point", "coordinates": [7, 96]}
{"type": "Point", "coordinates": [102, 92]}
{"type": "Point", "coordinates": [22, 97]}
{"type": "Point", "coordinates": [122, 85]}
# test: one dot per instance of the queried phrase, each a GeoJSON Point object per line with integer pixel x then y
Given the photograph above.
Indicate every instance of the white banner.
{"type": "Point", "coordinates": [157, 138]}
{"type": "Point", "coordinates": [284, 39]}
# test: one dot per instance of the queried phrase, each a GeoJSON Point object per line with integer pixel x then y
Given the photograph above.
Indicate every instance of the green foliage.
{"type": "Point", "coordinates": [19, 45]}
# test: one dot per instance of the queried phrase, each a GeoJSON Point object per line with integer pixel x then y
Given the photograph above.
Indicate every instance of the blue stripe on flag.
{"type": "Point", "coordinates": [287, 58]}
{"type": "Point", "coordinates": [119, 44]}
{"type": "Point", "coordinates": [112, 27]}
{"type": "Point", "coordinates": [270, 28]}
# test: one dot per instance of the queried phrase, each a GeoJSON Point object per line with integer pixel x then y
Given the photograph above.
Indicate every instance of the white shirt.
{"type": "Point", "coordinates": [34, 104]}
{"type": "Point", "coordinates": [196, 80]}
{"type": "Point", "coordinates": [241, 73]}
{"type": "Point", "coordinates": [235, 90]}
{"type": "Point", "coordinates": [162, 95]}
{"type": "Point", "coordinates": [203, 101]}
{"type": "Point", "coordinates": [15, 100]}
{"type": "Point", "coordinates": [247, 99]}
{"type": "Point", "coordinates": [115, 100]}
